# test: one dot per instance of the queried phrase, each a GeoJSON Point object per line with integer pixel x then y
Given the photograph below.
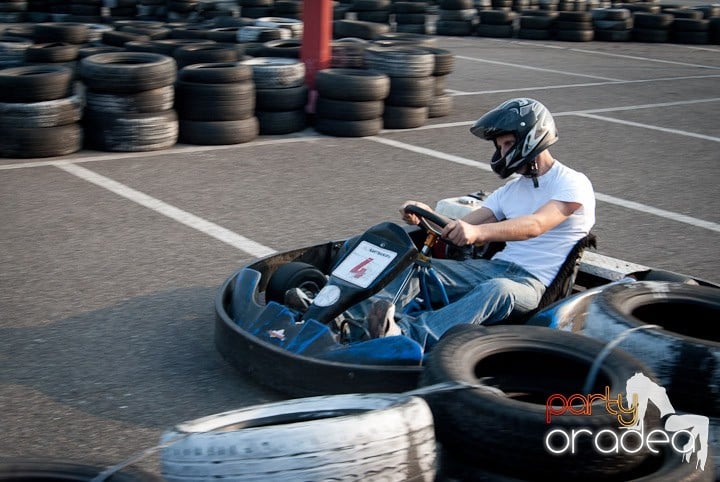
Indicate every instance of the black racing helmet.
{"type": "Point", "coordinates": [532, 124]}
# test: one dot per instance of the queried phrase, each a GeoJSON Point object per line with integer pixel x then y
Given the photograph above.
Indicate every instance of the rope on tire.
{"type": "Point", "coordinates": [592, 374]}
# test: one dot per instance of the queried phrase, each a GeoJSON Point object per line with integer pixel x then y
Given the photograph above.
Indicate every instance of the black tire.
{"type": "Point", "coordinates": [35, 83]}
{"type": "Point", "coordinates": [68, 32]}
{"type": "Point", "coordinates": [453, 28]}
{"type": "Point", "coordinates": [610, 14]}
{"type": "Point", "coordinates": [290, 98]}
{"type": "Point", "coordinates": [395, 117]}
{"type": "Point", "coordinates": [295, 274]}
{"type": "Point", "coordinates": [650, 35]}
{"type": "Point", "coordinates": [156, 100]}
{"type": "Point", "coordinates": [352, 84]}
{"type": "Point", "coordinates": [219, 132]}
{"type": "Point", "coordinates": [359, 29]}
{"type": "Point", "coordinates": [460, 15]}
{"type": "Point", "coordinates": [410, 18]}
{"type": "Point", "coordinates": [536, 22]}
{"type": "Point", "coordinates": [289, 48]}
{"type": "Point", "coordinates": [343, 128]}
{"type": "Point", "coordinates": [497, 17]}
{"type": "Point", "coordinates": [275, 72]}
{"type": "Point", "coordinates": [613, 35]}
{"type": "Point", "coordinates": [410, 91]}
{"type": "Point", "coordinates": [411, 28]}
{"type": "Point", "coordinates": [495, 31]}
{"type": "Point", "coordinates": [694, 38]}
{"type": "Point", "coordinates": [652, 20]}
{"type": "Point", "coordinates": [684, 353]}
{"type": "Point", "coordinates": [375, 16]}
{"type": "Point", "coordinates": [126, 72]}
{"type": "Point", "coordinates": [202, 54]}
{"type": "Point", "coordinates": [25, 142]}
{"type": "Point", "coordinates": [53, 52]}
{"type": "Point", "coordinates": [216, 73]}
{"type": "Point", "coordinates": [33, 469]}
{"type": "Point", "coordinates": [131, 132]}
{"type": "Point", "coordinates": [678, 25]}
{"type": "Point", "coordinates": [618, 25]}
{"type": "Point", "coordinates": [575, 35]}
{"type": "Point", "coordinates": [214, 102]}
{"type": "Point", "coordinates": [439, 84]}
{"type": "Point", "coordinates": [282, 122]}
{"type": "Point", "coordinates": [440, 106]}
{"type": "Point", "coordinates": [398, 61]}
{"type": "Point", "coordinates": [116, 38]}
{"type": "Point", "coordinates": [315, 438]}
{"type": "Point", "coordinates": [51, 113]}
{"type": "Point", "coordinates": [168, 46]}
{"type": "Point", "coordinates": [532, 34]}
{"type": "Point", "coordinates": [348, 110]}
{"type": "Point", "coordinates": [524, 360]}
{"type": "Point", "coordinates": [444, 61]}
{"type": "Point", "coordinates": [415, 39]}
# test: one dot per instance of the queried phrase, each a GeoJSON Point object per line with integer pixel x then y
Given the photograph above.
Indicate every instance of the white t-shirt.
{"type": "Point", "coordinates": [543, 255]}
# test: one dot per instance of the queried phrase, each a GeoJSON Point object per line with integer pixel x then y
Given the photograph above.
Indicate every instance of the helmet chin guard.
{"type": "Point", "coordinates": [532, 125]}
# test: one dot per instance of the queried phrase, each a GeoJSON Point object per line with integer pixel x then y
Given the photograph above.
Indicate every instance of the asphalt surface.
{"type": "Point", "coordinates": [106, 297]}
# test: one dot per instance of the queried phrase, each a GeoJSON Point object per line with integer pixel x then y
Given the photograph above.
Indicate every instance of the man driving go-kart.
{"type": "Point", "coordinates": [540, 214]}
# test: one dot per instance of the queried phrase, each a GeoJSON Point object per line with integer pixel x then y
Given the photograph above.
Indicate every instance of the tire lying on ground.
{"type": "Point", "coordinates": [34, 469]}
{"type": "Point", "coordinates": [684, 354]}
{"type": "Point", "coordinates": [518, 368]}
{"type": "Point", "coordinates": [342, 437]}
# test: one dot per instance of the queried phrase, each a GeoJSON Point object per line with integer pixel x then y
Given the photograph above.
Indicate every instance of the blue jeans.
{"type": "Point", "coordinates": [480, 291]}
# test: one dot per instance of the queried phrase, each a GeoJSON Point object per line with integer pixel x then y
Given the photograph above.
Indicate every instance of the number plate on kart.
{"type": "Point", "coordinates": [364, 264]}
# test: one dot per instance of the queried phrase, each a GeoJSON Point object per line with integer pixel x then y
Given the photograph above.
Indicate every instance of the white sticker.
{"type": "Point", "coordinates": [328, 296]}
{"type": "Point", "coordinates": [364, 264]}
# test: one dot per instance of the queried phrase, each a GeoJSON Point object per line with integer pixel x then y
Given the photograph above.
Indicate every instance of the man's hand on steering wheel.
{"type": "Point", "coordinates": [459, 233]}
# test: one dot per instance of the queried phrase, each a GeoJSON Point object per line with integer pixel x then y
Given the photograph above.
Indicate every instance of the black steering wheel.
{"type": "Point", "coordinates": [426, 216]}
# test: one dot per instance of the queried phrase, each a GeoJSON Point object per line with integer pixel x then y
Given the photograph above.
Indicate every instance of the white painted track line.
{"type": "Point", "coordinates": [538, 69]}
{"type": "Point", "coordinates": [211, 229]}
{"type": "Point", "coordinates": [646, 126]}
{"type": "Point", "coordinates": [643, 208]}
{"type": "Point", "coordinates": [587, 84]}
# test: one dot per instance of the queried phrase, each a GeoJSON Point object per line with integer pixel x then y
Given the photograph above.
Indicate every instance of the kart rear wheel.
{"type": "Point", "coordinates": [295, 274]}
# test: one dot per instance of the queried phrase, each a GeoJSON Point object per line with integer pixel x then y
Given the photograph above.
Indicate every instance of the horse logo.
{"type": "Point", "coordinates": [696, 426]}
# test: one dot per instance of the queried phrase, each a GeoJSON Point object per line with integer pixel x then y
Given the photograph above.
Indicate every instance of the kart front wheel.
{"type": "Point", "coordinates": [295, 274]}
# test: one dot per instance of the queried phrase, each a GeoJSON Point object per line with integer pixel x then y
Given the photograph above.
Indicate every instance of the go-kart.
{"type": "Point", "coordinates": [306, 351]}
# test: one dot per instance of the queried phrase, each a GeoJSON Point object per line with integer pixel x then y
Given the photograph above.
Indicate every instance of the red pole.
{"type": "Point", "coordinates": [315, 50]}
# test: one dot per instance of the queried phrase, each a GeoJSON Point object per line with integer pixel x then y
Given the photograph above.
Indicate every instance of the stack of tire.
{"type": "Point", "coordinates": [612, 24]}
{"type": "Point", "coordinates": [62, 54]}
{"type": "Point", "coordinates": [377, 11]}
{"type": "Point", "coordinates": [410, 17]}
{"type": "Point", "coordinates": [441, 103]}
{"type": "Point", "coordinates": [215, 103]}
{"type": "Point", "coordinates": [282, 98]}
{"type": "Point", "coordinates": [455, 17]}
{"type": "Point", "coordinates": [411, 83]}
{"type": "Point", "coordinates": [350, 102]}
{"type": "Point", "coordinates": [129, 101]}
{"type": "Point", "coordinates": [651, 27]}
{"type": "Point", "coordinates": [496, 23]}
{"type": "Point", "coordinates": [537, 24]}
{"type": "Point", "coordinates": [689, 26]}
{"type": "Point", "coordinates": [574, 26]}
{"type": "Point", "coordinates": [39, 113]}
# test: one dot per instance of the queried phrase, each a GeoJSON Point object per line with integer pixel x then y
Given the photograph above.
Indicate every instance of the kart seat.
{"type": "Point", "coordinates": [562, 285]}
